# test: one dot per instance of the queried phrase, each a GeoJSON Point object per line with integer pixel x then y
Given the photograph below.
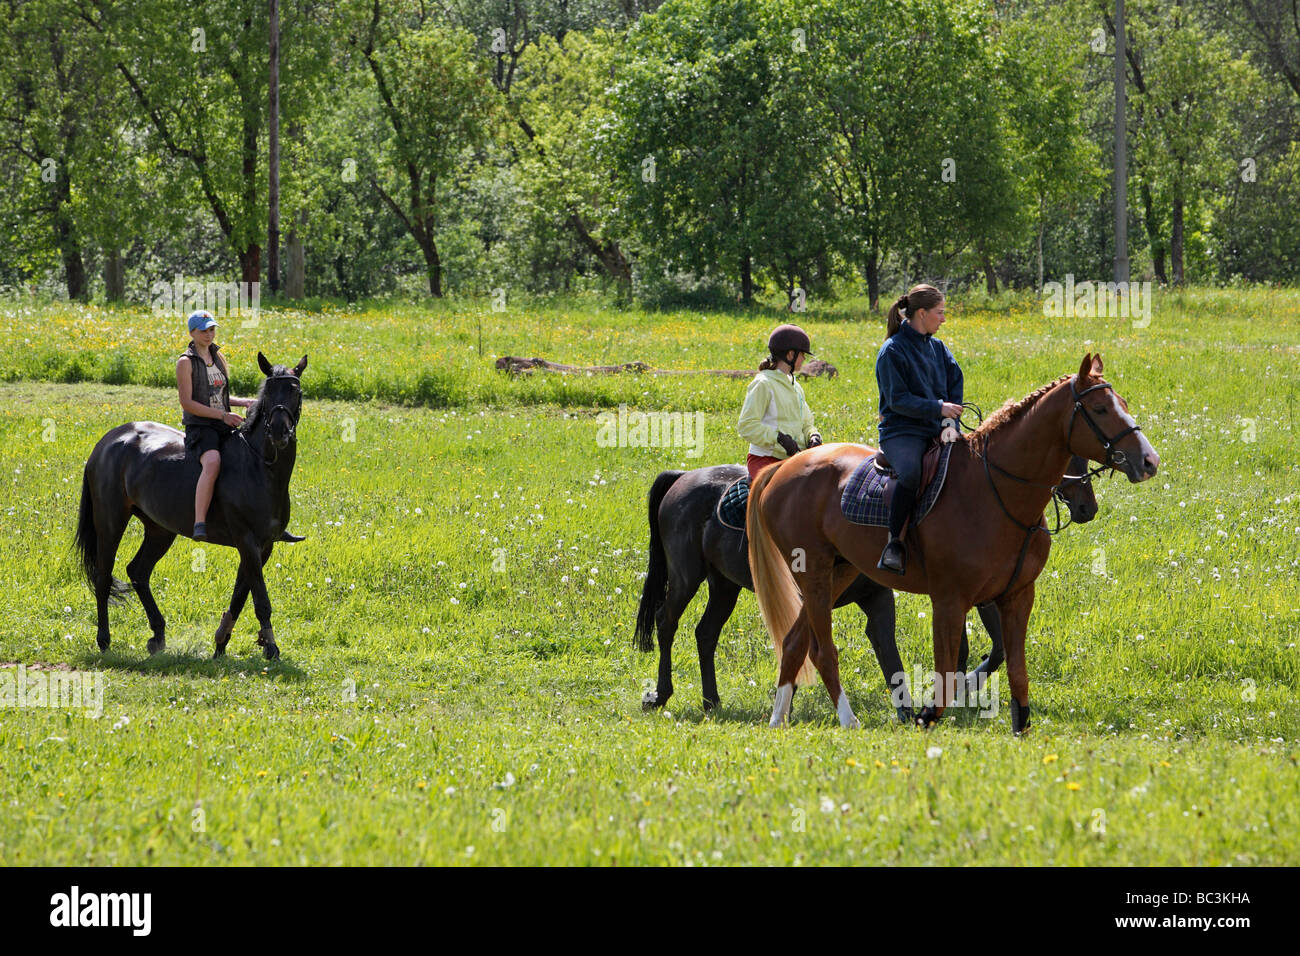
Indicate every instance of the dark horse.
{"type": "Point", "coordinates": [689, 545]}
{"type": "Point", "coordinates": [979, 544]}
{"type": "Point", "coordinates": [141, 469]}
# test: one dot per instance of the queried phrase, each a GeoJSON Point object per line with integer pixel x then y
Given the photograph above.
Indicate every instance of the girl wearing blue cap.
{"type": "Point", "coordinates": [920, 387]}
{"type": "Point", "coordinates": [203, 381]}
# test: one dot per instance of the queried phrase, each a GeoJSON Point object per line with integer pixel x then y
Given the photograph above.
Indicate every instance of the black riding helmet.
{"type": "Point", "coordinates": [789, 338]}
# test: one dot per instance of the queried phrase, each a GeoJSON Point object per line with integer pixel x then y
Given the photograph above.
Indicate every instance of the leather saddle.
{"type": "Point", "coordinates": [929, 468]}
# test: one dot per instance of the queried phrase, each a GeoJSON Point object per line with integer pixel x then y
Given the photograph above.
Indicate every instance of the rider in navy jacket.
{"type": "Point", "coordinates": [916, 374]}
{"type": "Point", "coordinates": [920, 385]}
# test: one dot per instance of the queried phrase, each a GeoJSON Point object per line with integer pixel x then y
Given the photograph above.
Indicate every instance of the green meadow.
{"type": "Point", "coordinates": [459, 684]}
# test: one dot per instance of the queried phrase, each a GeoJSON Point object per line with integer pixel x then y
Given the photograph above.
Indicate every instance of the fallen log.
{"type": "Point", "coordinates": [524, 366]}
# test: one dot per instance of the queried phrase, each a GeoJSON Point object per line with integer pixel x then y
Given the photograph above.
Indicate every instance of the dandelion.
{"type": "Point", "coordinates": [1072, 786]}
{"type": "Point", "coordinates": [933, 752]}
{"type": "Point", "coordinates": [1050, 758]}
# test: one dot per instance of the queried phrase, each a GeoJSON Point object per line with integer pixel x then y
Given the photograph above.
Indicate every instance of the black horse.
{"type": "Point", "coordinates": [689, 545]}
{"type": "Point", "coordinates": [141, 469]}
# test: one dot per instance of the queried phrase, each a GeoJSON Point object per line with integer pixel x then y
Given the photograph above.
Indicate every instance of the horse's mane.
{"type": "Point", "coordinates": [1010, 411]}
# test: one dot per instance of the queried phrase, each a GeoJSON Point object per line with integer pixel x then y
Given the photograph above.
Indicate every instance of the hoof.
{"type": "Point", "coordinates": [651, 700]}
{"type": "Point", "coordinates": [156, 644]}
{"type": "Point", "coordinates": [1019, 717]}
{"type": "Point", "coordinates": [711, 704]}
{"type": "Point", "coordinates": [905, 715]}
{"type": "Point", "coordinates": [927, 718]}
{"type": "Point", "coordinates": [222, 637]}
{"type": "Point", "coordinates": [266, 641]}
{"type": "Point", "coordinates": [103, 643]}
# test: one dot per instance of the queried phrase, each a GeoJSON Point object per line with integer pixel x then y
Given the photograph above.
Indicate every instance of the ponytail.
{"type": "Point", "coordinates": [918, 297]}
{"type": "Point", "coordinates": [897, 312]}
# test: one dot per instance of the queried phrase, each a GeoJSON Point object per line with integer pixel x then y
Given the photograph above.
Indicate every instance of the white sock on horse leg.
{"type": "Point", "coordinates": [781, 709]}
{"type": "Point", "coordinates": [847, 719]}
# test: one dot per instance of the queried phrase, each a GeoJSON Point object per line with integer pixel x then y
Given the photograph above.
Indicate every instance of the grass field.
{"type": "Point", "coordinates": [459, 683]}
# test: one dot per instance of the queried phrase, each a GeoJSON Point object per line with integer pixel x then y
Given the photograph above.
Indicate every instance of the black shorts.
{"type": "Point", "coordinates": [200, 439]}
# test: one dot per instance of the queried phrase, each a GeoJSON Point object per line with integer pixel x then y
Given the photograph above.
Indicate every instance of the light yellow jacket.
{"type": "Point", "coordinates": [774, 403]}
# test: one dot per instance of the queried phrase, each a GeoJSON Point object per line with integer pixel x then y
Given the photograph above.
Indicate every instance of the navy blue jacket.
{"type": "Point", "coordinates": [916, 374]}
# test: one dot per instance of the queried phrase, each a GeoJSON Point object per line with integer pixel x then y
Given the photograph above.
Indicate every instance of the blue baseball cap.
{"type": "Point", "coordinates": [201, 320]}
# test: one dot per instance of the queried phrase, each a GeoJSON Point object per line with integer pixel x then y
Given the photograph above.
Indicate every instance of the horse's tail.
{"type": "Point", "coordinates": [86, 543]}
{"type": "Point", "coordinates": [656, 579]}
{"type": "Point", "coordinates": [778, 595]}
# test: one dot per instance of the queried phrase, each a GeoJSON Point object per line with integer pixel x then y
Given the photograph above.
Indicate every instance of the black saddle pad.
{"type": "Point", "coordinates": [731, 507]}
{"type": "Point", "coordinates": [863, 500]}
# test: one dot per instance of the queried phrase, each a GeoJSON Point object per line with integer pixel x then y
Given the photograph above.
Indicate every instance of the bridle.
{"type": "Point", "coordinates": [293, 419]}
{"type": "Point", "coordinates": [1114, 457]}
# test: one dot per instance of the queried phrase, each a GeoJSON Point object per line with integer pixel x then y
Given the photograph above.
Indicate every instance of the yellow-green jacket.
{"type": "Point", "coordinates": [774, 403]}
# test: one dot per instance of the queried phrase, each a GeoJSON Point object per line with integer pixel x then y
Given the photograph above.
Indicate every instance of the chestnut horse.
{"type": "Point", "coordinates": [978, 544]}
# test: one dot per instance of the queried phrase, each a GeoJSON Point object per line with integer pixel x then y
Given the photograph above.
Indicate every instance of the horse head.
{"type": "Point", "coordinates": [280, 399]}
{"type": "Point", "coordinates": [1101, 429]}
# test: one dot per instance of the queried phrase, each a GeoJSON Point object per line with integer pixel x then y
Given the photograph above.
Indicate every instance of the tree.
{"type": "Point", "coordinates": [437, 99]}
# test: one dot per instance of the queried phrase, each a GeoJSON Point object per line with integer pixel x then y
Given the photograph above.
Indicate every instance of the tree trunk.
{"type": "Point", "coordinates": [1041, 226]}
{"type": "Point", "coordinates": [1176, 238]}
{"type": "Point", "coordinates": [250, 264]}
{"type": "Point", "coordinates": [873, 281]}
{"type": "Point", "coordinates": [990, 277]}
{"type": "Point", "coordinates": [746, 280]}
{"type": "Point", "coordinates": [432, 262]}
{"type": "Point", "coordinates": [1153, 235]}
{"type": "Point", "coordinates": [114, 276]}
{"type": "Point", "coordinates": [295, 268]}
{"type": "Point", "coordinates": [273, 150]}
{"type": "Point", "coordinates": [74, 264]}
{"type": "Point", "coordinates": [1040, 257]}
{"type": "Point", "coordinates": [74, 270]}
{"type": "Point", "coordinates": [607, 253]}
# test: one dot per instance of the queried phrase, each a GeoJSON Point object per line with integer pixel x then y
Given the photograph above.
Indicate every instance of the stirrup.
{"type": "Point", "coordinates": [200, 531]}
{"type": "Point", "coordinates": [901, 567]}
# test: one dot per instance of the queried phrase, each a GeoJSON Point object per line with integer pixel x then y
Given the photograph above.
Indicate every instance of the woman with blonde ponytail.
{"type": "Point", "coordinates": [920, 387]}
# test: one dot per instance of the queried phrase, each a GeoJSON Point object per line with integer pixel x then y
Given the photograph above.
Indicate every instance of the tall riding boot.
{"type": "Point", "coordinates": [894, 557]}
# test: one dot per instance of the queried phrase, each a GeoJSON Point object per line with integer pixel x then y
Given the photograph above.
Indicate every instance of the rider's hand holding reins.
{"type": "Point", "coordinates": [789, 444]}
{"type": "Point", "coordinates": [231, 419]}
{"type": "Point", "coordinates": [951, 412]}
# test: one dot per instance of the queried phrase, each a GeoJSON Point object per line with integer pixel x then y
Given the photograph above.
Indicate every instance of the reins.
{"type": "Point", "coordinates": [1113, 457]}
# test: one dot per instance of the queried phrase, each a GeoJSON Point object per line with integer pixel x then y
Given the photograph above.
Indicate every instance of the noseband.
{"type": "Point", "coordinates": [292, 428]}
{"type": "Point", "coordinates": [1114, 457]}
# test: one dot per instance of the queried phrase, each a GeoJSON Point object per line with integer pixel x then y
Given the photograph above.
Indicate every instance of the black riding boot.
{"type": "Point", "coordinates": [894, 557]}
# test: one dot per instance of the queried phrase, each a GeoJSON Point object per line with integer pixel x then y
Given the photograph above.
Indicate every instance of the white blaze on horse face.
{"type": "Point", "coordinates": [1145, 450]}
{"type": "Point", "coordinates": [781, 709]}
{"type": "Point", "coordinates": [846, 712]}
